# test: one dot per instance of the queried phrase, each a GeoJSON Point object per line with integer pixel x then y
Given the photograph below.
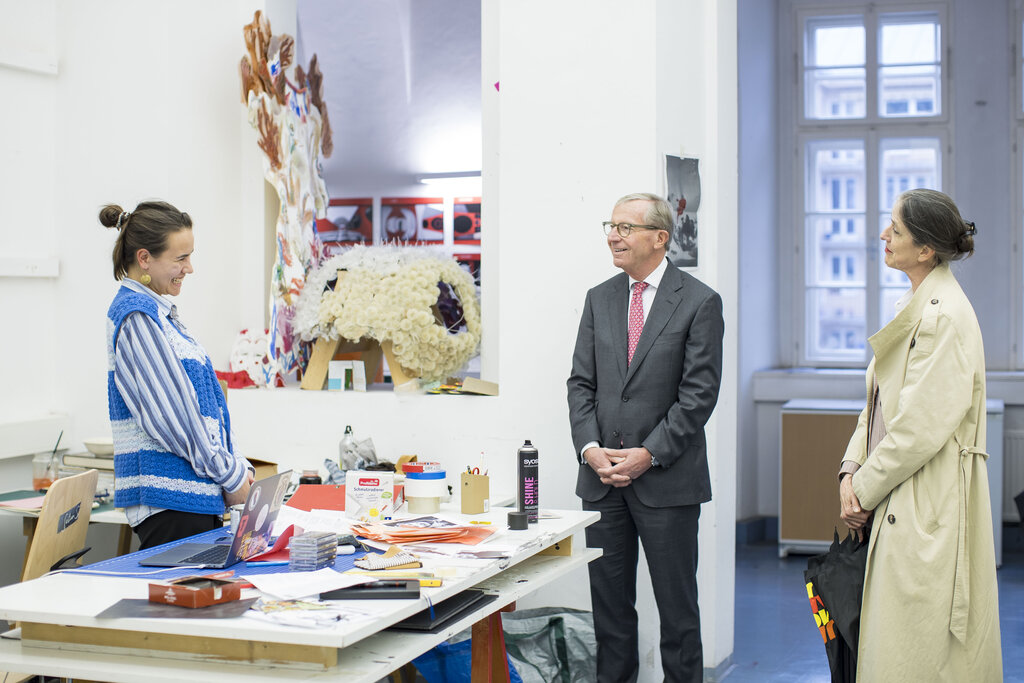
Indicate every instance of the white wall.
{"type": "Point", "coordinates": [579, 121]}
{"type": "Point", "coordinates": [115, 102]}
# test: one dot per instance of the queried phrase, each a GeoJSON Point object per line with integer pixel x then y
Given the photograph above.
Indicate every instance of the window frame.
{"type": "Point", "coordinates": [797, 130]}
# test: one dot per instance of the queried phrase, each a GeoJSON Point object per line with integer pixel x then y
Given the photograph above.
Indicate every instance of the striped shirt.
{"type": "Point", "coordinates": [161, 398]}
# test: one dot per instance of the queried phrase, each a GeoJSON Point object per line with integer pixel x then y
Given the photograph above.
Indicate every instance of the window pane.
{"type": "Point", "coordinates": [835, 175]}
{"type": "Point", "coordinates": [835, 84]}
{"type": "Point", "coordinates": [834, 258]}
{"type": "Point", "coordinates": [909, 39]}
{"type": "Point", "coordinates": [835, 321]}
{"type": "Point", "coordinates": [835, 41]}
{"type": "Point", "coordinates": [908, 91]}
{"type": "Point", "coordinates": [904, 158]}
{"type": "Point", "coordinates": [834, 94]}
{"type": "Point", "coordinates": [909, 74]}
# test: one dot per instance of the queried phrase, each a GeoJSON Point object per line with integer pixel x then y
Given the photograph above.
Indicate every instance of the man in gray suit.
{"type": "Point", "coordinates": [645, 378]}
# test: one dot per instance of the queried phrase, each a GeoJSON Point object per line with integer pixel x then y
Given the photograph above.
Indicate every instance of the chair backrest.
{"type": "Point", "coordinates": [62, 524]}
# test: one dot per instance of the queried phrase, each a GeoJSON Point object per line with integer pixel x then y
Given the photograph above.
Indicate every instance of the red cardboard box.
{"type": "Point", "coordinates": [194, 591]}
{"type": "Point", "coordinates": [330, 497]}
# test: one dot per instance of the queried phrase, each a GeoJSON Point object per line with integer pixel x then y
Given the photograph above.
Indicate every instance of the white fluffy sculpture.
{"type": "Point", "coordinates": [424, 304]}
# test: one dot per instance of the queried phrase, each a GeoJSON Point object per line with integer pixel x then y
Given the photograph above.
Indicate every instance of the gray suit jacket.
{"type": "Point", "coordinates": [663, 399]}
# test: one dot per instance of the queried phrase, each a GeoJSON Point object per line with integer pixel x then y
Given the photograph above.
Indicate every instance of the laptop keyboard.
{"type": "Point", "coordinates": [217, 554]}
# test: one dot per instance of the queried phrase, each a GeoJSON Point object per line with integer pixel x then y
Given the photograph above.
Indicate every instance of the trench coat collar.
{"type": "Point", "coordinates": [900, 327]}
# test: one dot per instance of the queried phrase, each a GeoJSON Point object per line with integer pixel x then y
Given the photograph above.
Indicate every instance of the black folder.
{"type": "Point", "coordinates": [433, 619]}
{"type": "Point", "coordinates": [377, 590]}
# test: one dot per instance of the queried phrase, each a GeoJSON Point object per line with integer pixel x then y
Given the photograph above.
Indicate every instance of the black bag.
{"type": "Point", "coordinates": [835, 584]}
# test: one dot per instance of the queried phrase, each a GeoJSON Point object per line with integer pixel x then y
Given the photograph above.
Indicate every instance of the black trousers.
{"type": "Point", "coordinates": [171, 525]}
{"type": "Point", "coordinates": [669, 537]}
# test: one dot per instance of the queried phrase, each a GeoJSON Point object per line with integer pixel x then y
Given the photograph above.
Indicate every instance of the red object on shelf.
{"type": "Point", "coordinates": [236, 380]}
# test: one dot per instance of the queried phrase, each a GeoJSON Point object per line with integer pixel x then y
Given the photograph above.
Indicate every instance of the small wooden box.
{"type": "Point", "coordinates": [194, 591]}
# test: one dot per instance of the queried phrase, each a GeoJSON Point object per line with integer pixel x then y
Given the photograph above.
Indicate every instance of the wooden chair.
{"type": "Point", "coordinates": [60, 530]}
{"type": "Point", "coordinates": [58, 534]}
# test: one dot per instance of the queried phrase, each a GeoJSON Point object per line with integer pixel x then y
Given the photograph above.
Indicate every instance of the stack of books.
{"type": "Point", "coordinates": [76, 463]}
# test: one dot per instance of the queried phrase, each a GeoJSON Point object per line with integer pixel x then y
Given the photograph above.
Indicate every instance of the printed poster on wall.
{"type": "Point", "coordinates": [412, 219]}
{"type": "Point", "coordinates": [471, 264]}
{"type": "Point", "coordinates": [348, 222]}
{"type": "Point", "coordinates": [466, 220]}
{"type": "Point", "coordinates": [682, 179]}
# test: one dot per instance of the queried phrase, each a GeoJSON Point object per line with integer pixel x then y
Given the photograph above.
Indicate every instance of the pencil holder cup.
{"type": "Point", "coordinates": [476, 493]}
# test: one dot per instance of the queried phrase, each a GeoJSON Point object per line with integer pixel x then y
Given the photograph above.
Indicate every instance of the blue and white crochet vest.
{"type": "Point", "coordinates": [145, 473]}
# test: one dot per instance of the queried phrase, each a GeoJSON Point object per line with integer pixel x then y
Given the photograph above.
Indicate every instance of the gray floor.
{"type": "Point", "coordinates": [776, 639]}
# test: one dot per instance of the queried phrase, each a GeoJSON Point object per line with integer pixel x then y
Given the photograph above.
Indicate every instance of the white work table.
{"type": "Point", "coordinates": [63, 637]}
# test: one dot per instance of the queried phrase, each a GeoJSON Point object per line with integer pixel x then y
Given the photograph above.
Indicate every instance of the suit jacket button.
{"type": "Point", "coordinates": [615, 433]}
{"type": "Point", "coordinates": [625, 399]}
{"type": "Point", "coordinates": [892, 519]}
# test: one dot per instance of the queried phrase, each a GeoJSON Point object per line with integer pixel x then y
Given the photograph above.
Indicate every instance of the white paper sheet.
{"type": "Point", "coordinates": [295, 585]}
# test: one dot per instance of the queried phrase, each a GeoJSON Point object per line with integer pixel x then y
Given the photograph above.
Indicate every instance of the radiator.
{"type": "Point", "coordinates": [1013, 472]}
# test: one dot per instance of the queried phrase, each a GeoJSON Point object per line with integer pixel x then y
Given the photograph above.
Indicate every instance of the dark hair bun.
{"type": "Point", "coordinates": [965, 245]}
{"type": "Point", "coordinates": [109, 215]}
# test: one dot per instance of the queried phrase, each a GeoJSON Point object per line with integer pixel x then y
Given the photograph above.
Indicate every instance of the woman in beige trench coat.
{"type": "Point", "coordinates": [915, 470]}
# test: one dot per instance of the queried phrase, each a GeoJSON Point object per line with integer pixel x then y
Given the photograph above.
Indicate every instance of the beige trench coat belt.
{"type": "Point", "coordinates": [962, 579]}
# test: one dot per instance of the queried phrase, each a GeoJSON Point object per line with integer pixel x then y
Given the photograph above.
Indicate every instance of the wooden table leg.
{"type": "Point", "coordinates": [124, 539]}
{"type": "Point", "coordinates": [489, 659]}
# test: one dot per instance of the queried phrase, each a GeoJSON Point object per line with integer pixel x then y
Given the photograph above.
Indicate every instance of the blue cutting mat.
{"type": "Point", "coordinates": [128, 565]}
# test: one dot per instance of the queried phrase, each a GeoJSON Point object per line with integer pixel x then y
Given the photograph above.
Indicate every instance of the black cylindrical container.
{"type": "Point", "coordinates": [529, 472]}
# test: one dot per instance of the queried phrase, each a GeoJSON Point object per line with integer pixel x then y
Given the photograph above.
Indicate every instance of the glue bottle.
{"type": "Point", "coordinates": [347, 445]}
{"type": "Point", "coordinates": [529, 470]}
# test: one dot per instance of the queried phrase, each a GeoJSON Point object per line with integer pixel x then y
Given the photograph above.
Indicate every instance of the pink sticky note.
{"type": "Point", "coordinates": [497, 85]}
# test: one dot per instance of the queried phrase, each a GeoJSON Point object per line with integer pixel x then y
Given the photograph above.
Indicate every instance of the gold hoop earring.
{"type": "Point", "coordinates": [145, 279]}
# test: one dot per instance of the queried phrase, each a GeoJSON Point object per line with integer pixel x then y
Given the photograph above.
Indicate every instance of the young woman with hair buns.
{"type": "Point", "coordinates": [914, 475]}
{"type": "Point", "coordinates": [174, 462]}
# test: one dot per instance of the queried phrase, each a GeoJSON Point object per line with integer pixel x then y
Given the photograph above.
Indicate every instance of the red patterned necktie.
{"type": "Point", "coordinates": [636, 318]}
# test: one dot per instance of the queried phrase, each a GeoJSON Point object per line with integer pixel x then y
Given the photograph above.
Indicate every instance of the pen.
{"type": "Point", "coordinates": [275, 563]}
{"type": "Point", "coordinates": [478, 521]}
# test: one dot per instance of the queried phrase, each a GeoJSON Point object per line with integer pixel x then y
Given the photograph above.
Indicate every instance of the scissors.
{"type": "Point", "coordinates": [473, 470]}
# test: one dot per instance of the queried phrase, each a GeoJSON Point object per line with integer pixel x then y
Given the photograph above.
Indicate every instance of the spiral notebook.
{"type": "Point", "coordinates": [394, 558]}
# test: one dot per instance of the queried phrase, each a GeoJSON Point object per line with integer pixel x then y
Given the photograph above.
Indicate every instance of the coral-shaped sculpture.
{"type": "Point", "coordinates": [291, 124]}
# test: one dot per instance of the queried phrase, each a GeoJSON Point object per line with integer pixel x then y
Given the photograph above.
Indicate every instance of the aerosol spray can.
{"type": "Point", "coordinates": [529, 472]}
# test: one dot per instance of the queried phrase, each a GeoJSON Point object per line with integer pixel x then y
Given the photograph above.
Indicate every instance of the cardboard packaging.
{"type": "Point", "coordinates": [264, 468]}
{"type": "Point", "coordinates": [370, 496]}
{"type": "Point", "coordinates": [476, 493]}
{"type": "Point", "coordinates": [331, 497]}
{"type": "Point", "coordinates": [194, 591]}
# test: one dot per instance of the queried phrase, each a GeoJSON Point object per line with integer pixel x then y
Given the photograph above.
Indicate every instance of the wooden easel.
{"type": "Point", "coordinates": [369, 350]}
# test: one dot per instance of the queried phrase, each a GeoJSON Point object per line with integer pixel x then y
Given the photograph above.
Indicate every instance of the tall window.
{"type": "Point", "coordinates": [871, 123]}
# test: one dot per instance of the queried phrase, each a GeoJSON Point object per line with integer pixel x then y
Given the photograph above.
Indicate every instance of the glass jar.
{"type": "Point", "coordinates": [44, 470]}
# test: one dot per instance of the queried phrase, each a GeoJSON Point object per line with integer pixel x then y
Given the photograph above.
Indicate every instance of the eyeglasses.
{"type": "Point", "coordinates": [624, 229]}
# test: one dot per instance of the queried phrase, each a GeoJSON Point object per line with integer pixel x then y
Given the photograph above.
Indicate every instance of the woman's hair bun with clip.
{"type": "Point", "coordinates": [113, 216]}
{"type": "Point", "coordinates": [965, 244]}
